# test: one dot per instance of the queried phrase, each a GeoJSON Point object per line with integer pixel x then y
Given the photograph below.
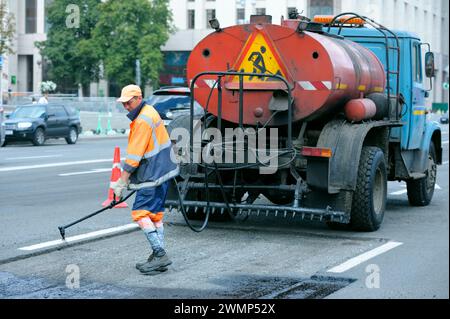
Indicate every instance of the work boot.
{"type": "Point", "coordinates": [155, 272]}
{"type": "Point", "coordinates": [156, 263]}
{"type": "Point", "coordinates": [139, 265]}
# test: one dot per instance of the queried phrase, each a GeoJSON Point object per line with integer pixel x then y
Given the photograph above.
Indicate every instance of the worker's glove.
{"type": "Point", "coordinates": [118, 187]}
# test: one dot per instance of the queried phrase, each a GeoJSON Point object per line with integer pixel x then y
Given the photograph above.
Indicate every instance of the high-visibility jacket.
{"type": "Point", "coordinates": [150, 159]}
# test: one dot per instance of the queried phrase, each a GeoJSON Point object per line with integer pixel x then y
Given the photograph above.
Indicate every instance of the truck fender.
{"type": "Point", "coordinates": [346, 140]}
{"type": "Point", "coordinates": [432, 133]}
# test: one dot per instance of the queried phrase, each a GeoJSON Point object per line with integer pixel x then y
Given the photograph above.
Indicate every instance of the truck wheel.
{"type": "Point", "coordinates": [39, 137]}
{"type": "Point", "coordinates": [421, 191]}
{"type": "Point", "coordinates": [369, 198]}
{"type": "Point", "coordinates": [73, 136]}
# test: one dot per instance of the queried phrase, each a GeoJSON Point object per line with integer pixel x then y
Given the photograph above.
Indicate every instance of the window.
{"type": "Point", "coordinates": [191, 19]}
{"type": "Point", "coordinates": [417, 66]}
{"type": "Point", "coordinates": [240, 16]}
{"type": "Point", "coordinates": [260, 11]}
{"type": "Point", "coordinates": [30, 16]}
{"type": "Point", "coordinates": [317, 7]}
{"type": "Point", "coordinates": [71, 110]}
{"type": "Point", "coordinates": [210, 14]}
{"type": "Point", "coordinates": [57, 110]}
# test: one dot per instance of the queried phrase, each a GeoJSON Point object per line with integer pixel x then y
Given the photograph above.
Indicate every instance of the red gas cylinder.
{"type": "Point", "coordinates": [359, 110]}
{"type": "Point", "coordinates": [325, 72]}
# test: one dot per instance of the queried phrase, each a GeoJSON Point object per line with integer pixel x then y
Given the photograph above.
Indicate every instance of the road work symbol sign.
{"type": "Point", "coordinates": [259, 56]}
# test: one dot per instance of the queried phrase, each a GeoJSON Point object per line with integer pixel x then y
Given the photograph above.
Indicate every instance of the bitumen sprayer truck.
{"type": "Point", "coordinates": [315, 115]}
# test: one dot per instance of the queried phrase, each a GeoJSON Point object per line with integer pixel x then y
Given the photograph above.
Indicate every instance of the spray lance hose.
{"type": "Point", "coordinates": [62, 229]}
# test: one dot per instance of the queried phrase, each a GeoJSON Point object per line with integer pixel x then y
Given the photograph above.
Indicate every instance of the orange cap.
{"type": "Point", "coordinates": [129, 92]}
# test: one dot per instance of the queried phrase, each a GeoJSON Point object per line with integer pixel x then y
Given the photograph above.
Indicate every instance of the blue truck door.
{"type": "Point", "coordinates": [417, 118]}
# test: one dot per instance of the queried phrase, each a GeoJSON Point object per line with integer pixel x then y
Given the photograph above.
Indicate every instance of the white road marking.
{"type": "Point", "coordinates": [20, 168]}
{"type": "Point", "coordinates": [404, 191]}
{"type": "Point", "coordinates": [80, 237]}
{"type": "Point", "coordinates": [98, 170]}
{"type": "Point", "coordinates": [364, 257]}
{"type": "Point", "coordinates": [31, 157]}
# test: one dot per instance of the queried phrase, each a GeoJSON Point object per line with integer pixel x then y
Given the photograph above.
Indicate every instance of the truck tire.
{"type": "Point", "coordinates": [369, 198]}
{"type": "Point", "coordinates": [421, 191]}
{"type": "Point", "coordinates": [38, 137]}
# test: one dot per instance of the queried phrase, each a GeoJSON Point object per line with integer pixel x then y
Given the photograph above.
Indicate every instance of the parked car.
{"type": "Point", "coordinates": [39, 122]}
{"type": "Point", "coordinates": [444, 119]}
{"type": "Point", "coordinates": [172, 102]}
{"type": "Point", "coordinates": [2, 126]}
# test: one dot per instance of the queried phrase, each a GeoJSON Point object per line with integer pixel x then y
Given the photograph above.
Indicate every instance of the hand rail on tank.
{"type": "Point", "coordinates": [241, 76]}
{"type": "Point", "coordinates": [205, 185]}
{"type": "Point", "coordinates": [382, 30]}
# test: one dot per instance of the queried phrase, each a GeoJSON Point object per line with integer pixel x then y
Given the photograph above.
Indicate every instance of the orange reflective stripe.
{"type": "Point", "coordinates": [139, 214]}
{"type": "Point", "coordinates": [157, 217]}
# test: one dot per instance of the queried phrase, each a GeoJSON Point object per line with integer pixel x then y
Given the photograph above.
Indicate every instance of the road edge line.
{"type": "Point", "coordinates": [65, 246]}
{"type": "Point", "coordinates": [362, 258]}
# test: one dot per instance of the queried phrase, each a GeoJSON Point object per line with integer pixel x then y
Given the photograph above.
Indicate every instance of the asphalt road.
{"type": "Point", "coordinates": [264, 257]}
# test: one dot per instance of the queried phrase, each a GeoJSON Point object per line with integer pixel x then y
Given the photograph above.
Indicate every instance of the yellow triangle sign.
{"type": "Point", "coordinates": [259, 56]}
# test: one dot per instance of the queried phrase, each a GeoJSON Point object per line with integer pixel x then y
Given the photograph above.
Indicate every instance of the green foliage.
{"type": "Point", "coordinates": [131, 30]}
{"type": "Point", "coordinates": [72, 58]}
{"type": "Point", "coordinates": [114, 33]}
{"type": "Point", "coordinates": [7, 27]}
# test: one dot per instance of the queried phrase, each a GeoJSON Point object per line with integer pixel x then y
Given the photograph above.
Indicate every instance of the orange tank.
{"type": "Point", "coordinates": [325, 72]}
{"type": "Point", "coordinates": [360, 109]}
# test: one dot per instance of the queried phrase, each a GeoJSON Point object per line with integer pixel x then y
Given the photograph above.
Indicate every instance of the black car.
{"type": "Point", "coordinates": [39, 122]}
{"type": "Point", "coordinates": [172, 102]}
{"type": "Point", "coordinates": [444, 119]}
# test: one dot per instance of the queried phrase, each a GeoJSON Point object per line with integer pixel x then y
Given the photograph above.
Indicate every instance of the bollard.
{"type": "Point", "coordinates": [99, 129]}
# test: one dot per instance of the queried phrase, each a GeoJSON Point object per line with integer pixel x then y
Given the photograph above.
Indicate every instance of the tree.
{"type": "Point", "coordinates": [7, 29]}
{"type": "Point", "coordinates": [132, 30]}
{"type": "Point", "coordinates": [72, 57]}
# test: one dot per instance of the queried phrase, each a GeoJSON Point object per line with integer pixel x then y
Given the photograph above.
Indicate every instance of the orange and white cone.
{"type": "Point", "coordinates": [115, 175]}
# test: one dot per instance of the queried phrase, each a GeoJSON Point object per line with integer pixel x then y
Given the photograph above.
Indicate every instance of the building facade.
{"type": "Point", "coordinates": [427, 18]}
{"type": "Point", "coordinates": [24, 70]}
{"type": "Point", "coordinates": [25, 67]}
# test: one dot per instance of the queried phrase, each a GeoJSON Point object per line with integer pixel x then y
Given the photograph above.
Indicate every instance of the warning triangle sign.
{"type": "Point", "coordinates": [259, 56]}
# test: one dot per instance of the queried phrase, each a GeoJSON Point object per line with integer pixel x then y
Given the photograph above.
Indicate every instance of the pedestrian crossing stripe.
{"type": "Point", "coordinates": [259, 56]}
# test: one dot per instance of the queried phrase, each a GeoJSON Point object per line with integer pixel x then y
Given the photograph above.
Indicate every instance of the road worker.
{"type": "Point", "coordinates": [149, 166]}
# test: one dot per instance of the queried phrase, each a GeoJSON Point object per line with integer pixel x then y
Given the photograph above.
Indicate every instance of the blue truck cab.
{"type": "Point", "coordinates": [415, 143]}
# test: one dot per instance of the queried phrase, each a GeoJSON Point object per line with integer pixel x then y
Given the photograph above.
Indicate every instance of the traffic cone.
{"type": "Point", "coordinates": [115, 175]}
